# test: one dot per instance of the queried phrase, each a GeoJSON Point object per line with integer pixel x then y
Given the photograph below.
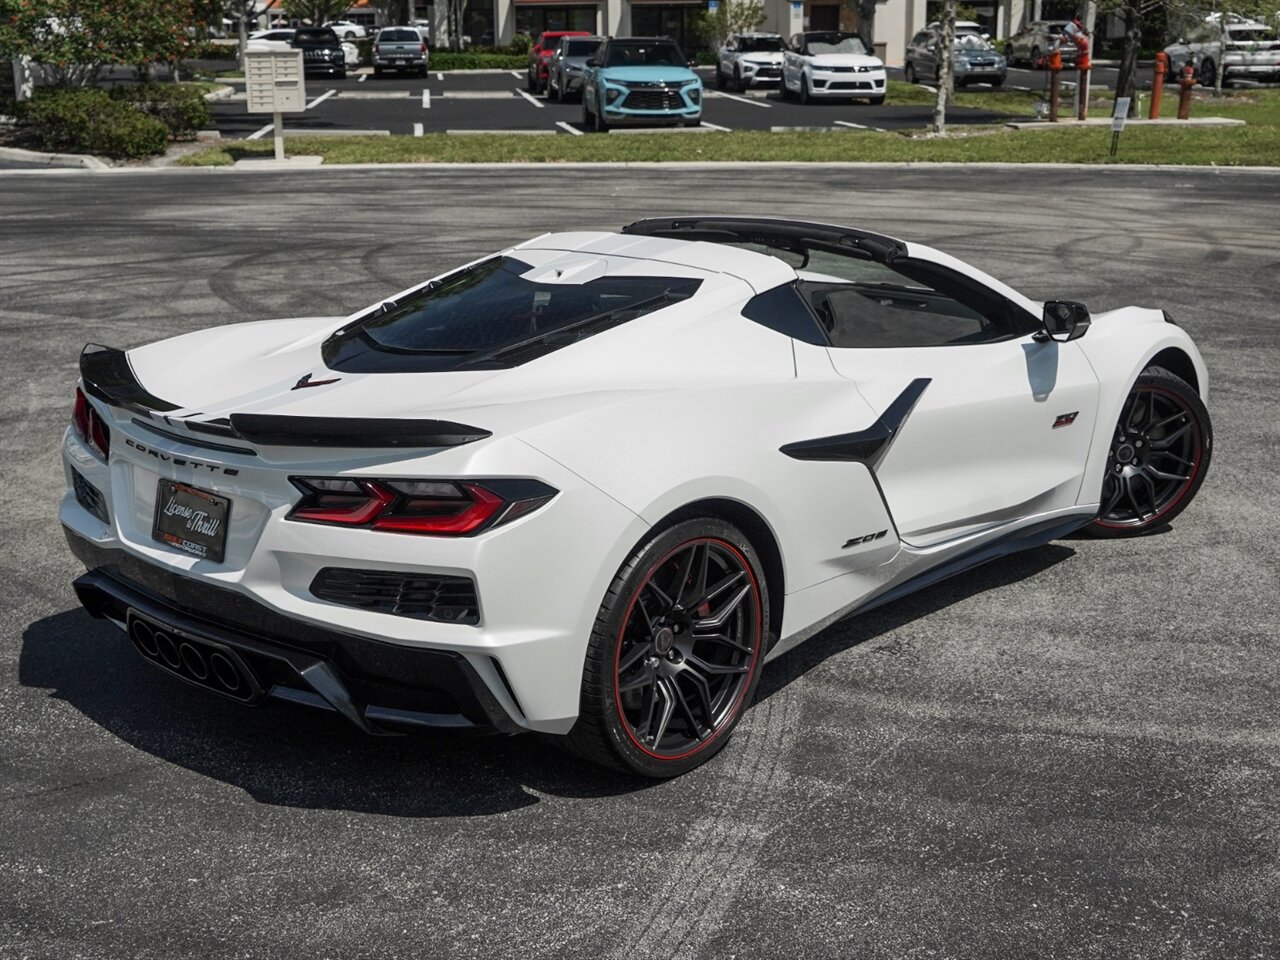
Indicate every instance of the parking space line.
{"type": "Point", "coordinates": [426, 99]}
{"type": "Point", "coordinates": [259, 134]}
{"type": "Point", "coordinates": [850, 123]}
{"type": "Point", "coordinates": [321, 99]}
{"type": "Point", "coordinates": [568, 128]}
{"type": "Point", "coordinates": [716, 126]}
{"type": "Point", "coordinates": [417, 130]}
{"type": "Point", "coordinates": [362, 78]}
{"type": "Point", "coordinates": [439, 76]}
{"type": "Point", "coordinates": [534, 100]}
{"type": "Point", "coordinates": [516, 74]}
{"type": "Point", "coordinates": [734, 96]}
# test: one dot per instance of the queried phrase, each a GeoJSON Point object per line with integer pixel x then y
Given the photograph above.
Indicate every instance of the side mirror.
{"type": "Point", "coordinates": [593, 62]}
{"type": "Point", "coordinates": [1064, 320]}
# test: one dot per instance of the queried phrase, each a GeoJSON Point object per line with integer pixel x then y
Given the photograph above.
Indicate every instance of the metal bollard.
{"type": "Point", "coordinates": [1083, 66]}
{"type": "Point", "coordinates": [1157, 84]}
{"type": "Point", "coordinates": [1186, 82]}
{"type": "Point", "coordinates": [1055, 75]}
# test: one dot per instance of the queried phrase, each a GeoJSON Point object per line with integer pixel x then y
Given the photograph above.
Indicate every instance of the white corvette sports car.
{"type": "Point", "coordinates": [589, 485]}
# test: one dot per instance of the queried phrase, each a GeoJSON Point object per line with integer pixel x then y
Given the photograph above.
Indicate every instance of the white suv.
{"type": "Point", "coordinates": [829, 65]}
{"type": "Point", "coordinates": [748, 59]}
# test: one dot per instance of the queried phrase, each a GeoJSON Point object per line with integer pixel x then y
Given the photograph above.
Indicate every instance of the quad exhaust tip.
{"type": "Point", "coordinates": [206, 664]}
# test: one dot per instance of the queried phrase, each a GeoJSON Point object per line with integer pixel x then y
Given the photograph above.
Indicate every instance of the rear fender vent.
{"type": "Point", "coordinates": [421, 596]}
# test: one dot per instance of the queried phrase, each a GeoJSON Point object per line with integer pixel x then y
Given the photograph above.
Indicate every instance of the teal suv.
{"type": "Point", "coordinates": [638, 81]}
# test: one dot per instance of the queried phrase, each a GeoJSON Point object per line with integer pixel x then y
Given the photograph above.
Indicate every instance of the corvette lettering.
{"type": "Point", "coordinates": [181, 461]}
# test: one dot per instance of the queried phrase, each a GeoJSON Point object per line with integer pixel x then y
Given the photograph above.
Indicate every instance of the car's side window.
{"type": "Point", "coordinates": [784, 309]}
{"type": "Point", "coordinates": [914, 303]}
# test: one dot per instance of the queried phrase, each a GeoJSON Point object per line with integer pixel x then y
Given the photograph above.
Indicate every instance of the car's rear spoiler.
{"type": "Point", "coordinates": [108, 376]}
{"type": "Point", "coordinates": [768, 231]}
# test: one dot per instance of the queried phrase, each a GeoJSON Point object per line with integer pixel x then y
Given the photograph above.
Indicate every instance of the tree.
{"type": "Point", "coordinates": [867, 22]}
{"type": "Point", "coordinates": [730, 17]}
{"type": "Point", "coordinates": [73, 40]}
{"type": "Point", "coordinates": [946, 66]}
{"type": "Point", "coordinates": [315, 11]}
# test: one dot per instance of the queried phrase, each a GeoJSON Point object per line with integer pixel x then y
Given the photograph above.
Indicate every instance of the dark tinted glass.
{"type": "Point", "coordinates": [658, 53]}
{"type": "Point", "coordinates": [490, 316]}
{"type": "Point", "coordinates": [580, 48]}
{"type": "Point", "coordinates": [399, 36]}
{"type": "Point", "coordinates": [782, 309]}
{"type": "Point", "coordinates": [759, 44]}
{"type": "Point", "coordinates": [314, 38]}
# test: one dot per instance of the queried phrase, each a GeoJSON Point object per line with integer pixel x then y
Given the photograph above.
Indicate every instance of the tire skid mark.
{"type": "Point", "coordinates": [725, 840]}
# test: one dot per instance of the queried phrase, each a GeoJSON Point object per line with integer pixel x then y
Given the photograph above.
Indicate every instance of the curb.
{"type": "Point", "coordinates": [60, 160]}
{"type": "Point", "coordinates": [1105, 168]}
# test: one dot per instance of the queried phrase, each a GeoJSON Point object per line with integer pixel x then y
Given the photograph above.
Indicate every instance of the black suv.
{"type": "Point", "coordinates": [321, 52]}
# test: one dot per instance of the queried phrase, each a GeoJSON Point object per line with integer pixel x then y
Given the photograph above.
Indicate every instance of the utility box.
{"type": "Point", "coordinates": [274, 82]}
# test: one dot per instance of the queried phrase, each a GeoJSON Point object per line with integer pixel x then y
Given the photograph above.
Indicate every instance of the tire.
{"type": "Point", "coordinates": [349, 35]}
{"type": "Point", "coordinates": [688, 686]}
{"type": "Point", "coordinates": [340, 75]}
{"type": "Point", "coordinates": [377, 71]}
{"type": "Point", "coordinates": [1159, 456]}
{"type": "Point", "coordinates": [876, 101]}
{"type": "Point", "coordinates": [805, 96]}
{"type": "Point", "coordinates": [1208, 76]}
{"type": "Point", "coordinates": [530, 83]}
{"type": "Point", "coordinates": [909, 72]}
{"type": "Point", "coordinates": [587, 123]}
{"type": "Point", "coordinates": [720, 79]}
{"type": "Point", "coordinates": [1035, 57]}
{"type": "Point", "coordinates": [692, 123]}
{"type": "Point", "coordinates": [784, 92]}
{"type": "Point", "coordinates": [997, 83]}
{"type": "Point", "coordinates": [553, 92]}
{"type": "Point", "coordinates": [601, 125]}
{"type": "Point", "coordinates": [737, 81]}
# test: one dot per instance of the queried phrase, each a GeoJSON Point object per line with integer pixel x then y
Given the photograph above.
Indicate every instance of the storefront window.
{"type": "Point", "coordinates": [680, 23]}
{"type": "Point", "coordinates": [533, 19]}
{"type": "Point", "coordinates": [478, 23]}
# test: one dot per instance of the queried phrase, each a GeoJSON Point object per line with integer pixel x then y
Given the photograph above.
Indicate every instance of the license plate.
{"type": "Point", "coordinates": [402, 59]}
{"type": "Point", "coordinates": [192, 520]}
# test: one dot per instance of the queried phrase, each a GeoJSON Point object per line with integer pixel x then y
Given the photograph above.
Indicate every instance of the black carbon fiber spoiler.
{"type": "Point", "coordinates": [768, 231]}
{"type": "Point", "coordinates": [107, 375]}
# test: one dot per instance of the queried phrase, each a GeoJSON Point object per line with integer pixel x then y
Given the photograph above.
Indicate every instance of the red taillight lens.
{"type": "Point", "coordinates": [424, 48]}
{"type": "Point", "coordinates": [90, 427]}
{"type": "Point", "coordinates": [431, 507]}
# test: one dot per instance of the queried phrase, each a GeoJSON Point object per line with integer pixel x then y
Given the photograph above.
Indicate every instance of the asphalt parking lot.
{"type": "Point", "coordinates": [497, 101]}
{"type": "Point", "coordinates": [1071, 753]}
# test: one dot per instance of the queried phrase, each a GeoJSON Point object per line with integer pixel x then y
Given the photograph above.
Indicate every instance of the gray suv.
{"type": "Point", "coordinates": [568, 66]}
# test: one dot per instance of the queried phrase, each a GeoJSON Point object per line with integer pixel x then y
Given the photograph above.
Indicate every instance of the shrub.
{"type": "Point", "coordinates": [520, 44]}
{"type": "Point", "coordinates": [449, 60]}
{"type": "Point", "coordinates": [182, 109]}
{"type": "Point", "coordinates": [90, 121]}
{"type": "Point", "coordinates": [208, 50]}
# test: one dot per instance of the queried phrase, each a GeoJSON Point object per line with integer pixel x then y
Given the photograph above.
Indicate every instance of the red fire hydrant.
{"type": "Point", "coordinates": [1186, 82]}
{"type": "Point", "coordinates": [1055, 73]}
{"type": "Point", "coordinates": [1157, 84]}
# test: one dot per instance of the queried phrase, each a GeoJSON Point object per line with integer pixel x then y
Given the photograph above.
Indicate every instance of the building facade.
{"type": "Point", "coordinates": [496, 22]}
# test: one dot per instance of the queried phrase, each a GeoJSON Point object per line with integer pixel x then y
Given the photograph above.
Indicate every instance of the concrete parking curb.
{"type": "Point", "coordinates": [59, 160]}
{"type": "Point", "coordinates": [923, 165]}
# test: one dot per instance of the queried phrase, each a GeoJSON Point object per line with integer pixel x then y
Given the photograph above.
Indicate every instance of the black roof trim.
{"type": "Point", "coordinates": [865, 446]}
{"type": "Point", "coordinates": [108, 376]}
{"type": "Point", "coordinates": [287, 431]}
{"type": "Point", "coordinates": [878, 247]}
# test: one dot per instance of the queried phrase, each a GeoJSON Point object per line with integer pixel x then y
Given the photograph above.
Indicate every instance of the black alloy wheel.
{"type": "Point", "coordinates": [805, 96]}
{"type": "Point", "coordinates": [909, 72]}
{"type": "Point", "coordinates": [1208, 73]}
{"type": "Point", "coordinates": [676, 652]}
{"type": "Point", "coordinates": [1159, 456]}
{"type": "Point", "coordinates": [737, 81]}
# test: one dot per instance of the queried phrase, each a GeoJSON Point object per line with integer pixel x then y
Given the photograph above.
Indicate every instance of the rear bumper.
{"type": "Point", "coordinates": [380, 687]}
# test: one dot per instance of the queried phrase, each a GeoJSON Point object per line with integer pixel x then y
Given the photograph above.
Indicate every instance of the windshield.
{"type": "Point", "coordinates": [971, 41]}
{"type": "Point", "coordinates": [580, 48]}
{"type": "Point", "coordinates": [648, 54]}
{"type": "Point", "coordinates": [821, 43]}
{"type": "Point", "coordinates": [490, 316]}
{"type": "Point", "coordinates": [314, 38]}
{"type": "Point", "coordinates": [759, 44]}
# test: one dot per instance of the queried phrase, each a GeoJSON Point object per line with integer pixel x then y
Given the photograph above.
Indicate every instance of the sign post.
{"type": "Point", "coordinates": [1118, 117]}
{"type": "Point", "coordinates": [274, 84]}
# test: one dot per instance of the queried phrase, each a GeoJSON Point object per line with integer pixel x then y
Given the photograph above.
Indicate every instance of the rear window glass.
{"type": "Point", "coordinates": [580, 48]}
{"type": "Point", "coordinates": [490, 316]}
{"type": "Point", "coordinates": [399, 36]}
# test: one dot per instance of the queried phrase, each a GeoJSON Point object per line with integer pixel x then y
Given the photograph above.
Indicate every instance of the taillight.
{"type": "Point", "coordinates": [432, 507]}
{"type": "Point", "coordinates": [90, 427]}
{"type": "Point", "coordinates": [423, 49]}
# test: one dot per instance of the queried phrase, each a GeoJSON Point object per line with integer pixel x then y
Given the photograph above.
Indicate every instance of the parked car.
{"type": "Point", "coordinates": [540, 54]}
{"type": "Point", "coordinates": [568, 487]}
{"type": "Point", "coordinates": [1030, 44]}
{"type": "Point", "coordinates": [1252, 52]}
{"type": "Point", "coordinates": [976, 59]}
{"type": "Point", "coordinates": [276, 39]}
{"type": "Point", "coordinates": [348, 30]}
{"type": "Point", "coordinates": [322, 53]}
{"type": "Point", "coordinates": [400, 48]}
{"type": "Point", "coordinates": [568, 67]}
{"type": "Point", "coordinates": [640, 80]}
{"type": "Point", "coordinates": [749, 59]}
{"type": "Point", "coordinates": [828, 65]}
